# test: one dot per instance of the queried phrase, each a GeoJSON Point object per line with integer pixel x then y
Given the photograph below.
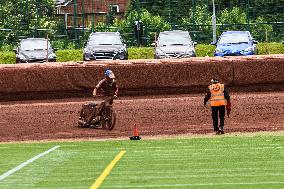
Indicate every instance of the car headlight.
{"type": "Point", "coordinates": [217, 50]}
{"type": "Point", "coordinates": [249, 49]}
{"type": "Point", "coordinates": [21, 57]}
{"type": "Point", "coordinates": [51, 56]}
{"type": "Point", "coordinates": [159, 52]}
{"type": "Point", "coordinates": [119, 51]}
{"type": "Point", "coordinates": [87, 51]}
{"type": "Point", "coordinates": [189, 52]}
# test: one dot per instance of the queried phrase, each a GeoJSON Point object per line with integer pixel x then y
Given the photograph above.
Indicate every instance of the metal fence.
{"type": "Point", "coordinates": [72, 30]}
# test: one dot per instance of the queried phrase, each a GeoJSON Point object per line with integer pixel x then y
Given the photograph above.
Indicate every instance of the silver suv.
{"type": "Point", "coordinates": [174, 44]}
{"type": "Point", "coordinates": [35, 50]}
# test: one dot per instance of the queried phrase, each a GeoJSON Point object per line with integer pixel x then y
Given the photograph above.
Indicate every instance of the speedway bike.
{"type": "Point", "coordinates": [97, 115]}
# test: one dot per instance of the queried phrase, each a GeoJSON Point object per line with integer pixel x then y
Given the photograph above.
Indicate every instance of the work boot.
{"type": "Point", "coordinates": [217, 133]}
{"type": "Point", "coordinates": [221, 130]}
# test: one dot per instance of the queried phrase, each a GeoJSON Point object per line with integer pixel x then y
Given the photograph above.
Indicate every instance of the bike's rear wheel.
{"type": "Point", "coordinates": [82, 121]}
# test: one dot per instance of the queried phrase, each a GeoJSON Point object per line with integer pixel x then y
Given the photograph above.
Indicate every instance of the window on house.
{"type": "Point", "coordinates": [114, 8]}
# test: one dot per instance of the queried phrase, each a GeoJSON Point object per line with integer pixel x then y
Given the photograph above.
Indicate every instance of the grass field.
{"type": "Point", "coordinates": [255, 161]}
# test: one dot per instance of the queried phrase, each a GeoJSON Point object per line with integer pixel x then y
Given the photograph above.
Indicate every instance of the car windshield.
{"type": "Point", "coordinates": [32, 45]}
{"type": "Point", "coordinates": [233, 39]}
{"type": "Point", "coordinates": [166, 39]}
{"type": "Point", "coordinates": [104, 39]}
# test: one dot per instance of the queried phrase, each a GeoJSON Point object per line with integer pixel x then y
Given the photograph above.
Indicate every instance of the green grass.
{"type": "Point", "coordinates": [213, 162]}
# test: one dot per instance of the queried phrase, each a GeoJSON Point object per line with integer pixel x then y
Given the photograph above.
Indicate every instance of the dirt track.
{"type": "Point", "coordinates": [154, 115]}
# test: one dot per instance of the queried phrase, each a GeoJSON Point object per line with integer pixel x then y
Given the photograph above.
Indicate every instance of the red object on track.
{"type": "Point", "coordinates": [135, 134]}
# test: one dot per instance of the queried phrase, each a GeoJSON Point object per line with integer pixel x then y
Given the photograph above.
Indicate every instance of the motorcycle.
{"type": "Point", "coordinates": [97, 115]}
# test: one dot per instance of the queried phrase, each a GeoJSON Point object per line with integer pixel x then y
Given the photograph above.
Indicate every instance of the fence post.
{"type": "Point", "coordinates": [75, 21]}
{"type": "Point", "coordinates": [214, 23]}
{"type": "Point", "coordinates": [248, 20]}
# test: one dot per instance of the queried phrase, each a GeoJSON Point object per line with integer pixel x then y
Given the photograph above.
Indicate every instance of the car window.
{"type": "Point", "coordinates": [173, 39]}
{"type": "Point", "coordinates": [31, 45]}
{"type": "Point", "coordinates": [104, 39]}
{"type": "Point", "coordinates": [233, 39]}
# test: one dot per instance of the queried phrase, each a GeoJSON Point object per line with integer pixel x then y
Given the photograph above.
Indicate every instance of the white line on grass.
{"type": "Point", "coordinates": [187, 185]}
{"type": "Point", "coordinates": [142, 176]}
{"type": "Point", "coordinates": [8, 173]}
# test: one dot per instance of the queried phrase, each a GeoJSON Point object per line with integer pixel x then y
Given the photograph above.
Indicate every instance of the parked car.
{"type": "Point", "coordinates": [105, 46]}
{"type": "Point", "coordinates": [34, 50]}
{"type": "Point", "coordinates": [235, 43]}
{"type": "Point", "coordinates": [174, 44]}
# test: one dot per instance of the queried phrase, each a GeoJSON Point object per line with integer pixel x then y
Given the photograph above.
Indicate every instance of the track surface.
{"type": "Point", "coordinates": [154, 115]}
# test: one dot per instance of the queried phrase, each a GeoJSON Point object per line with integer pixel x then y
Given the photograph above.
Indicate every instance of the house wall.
{"type": "Point", "coordinates": [89, 9]}
{"type": "Point", "coordinates": [99, 6]}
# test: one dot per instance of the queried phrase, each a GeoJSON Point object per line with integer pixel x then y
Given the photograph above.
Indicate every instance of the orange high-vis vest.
{"type": "Point", "coordinates": [217, 94]}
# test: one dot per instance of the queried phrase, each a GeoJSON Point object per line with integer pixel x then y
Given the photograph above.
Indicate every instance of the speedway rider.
{"type": "Point", "coordinates": [108, 88]}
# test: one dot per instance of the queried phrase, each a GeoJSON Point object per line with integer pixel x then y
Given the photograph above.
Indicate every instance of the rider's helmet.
{"type": "Point", "coordinates": [109, 74]}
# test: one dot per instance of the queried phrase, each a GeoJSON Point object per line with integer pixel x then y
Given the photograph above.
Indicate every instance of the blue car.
{"type": "Point", "coordinates": [235, 43]}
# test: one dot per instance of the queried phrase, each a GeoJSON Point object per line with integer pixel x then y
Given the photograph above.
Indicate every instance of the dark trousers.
{"type": "Point", "coordinates": [218, 112]}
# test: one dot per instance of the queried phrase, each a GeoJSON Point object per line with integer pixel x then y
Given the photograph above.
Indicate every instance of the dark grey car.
{"type": "Point", "coordinates": [34, 50]}
{"type": "Point", "coordinates": [174, 44]}
{"type": "Point", "coordinates": [105, 46]}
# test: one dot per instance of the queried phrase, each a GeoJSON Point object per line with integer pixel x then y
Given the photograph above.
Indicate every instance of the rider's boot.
{"type": "Point", "coordinates": [96, 119]}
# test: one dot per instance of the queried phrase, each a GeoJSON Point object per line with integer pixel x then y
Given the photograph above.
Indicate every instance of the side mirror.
{"type": "Point", "coordinates": [194, 43]}
{"type": "Point", "coordinates": [55, 49]}
{"type": "Point", "coordinates": [15, 50]}
{"type": "Point", "coordinates": [212, 43]}
{"type": "Point", "coordinates": [255, 42]}
{"type": "Point", "coordinates": [153, 44]}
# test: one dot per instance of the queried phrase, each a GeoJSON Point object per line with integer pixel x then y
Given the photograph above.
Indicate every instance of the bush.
{"type": "Point", "coordinates": [69, 55]}
{"type": "Point", "coordinates": [203, 50]}
{"type": "Point", "coordinates": [7, 58]}
{"type": "Point", "coordinates": [141, 53]}
{"type": "Point", "coordinates": [270, 48]}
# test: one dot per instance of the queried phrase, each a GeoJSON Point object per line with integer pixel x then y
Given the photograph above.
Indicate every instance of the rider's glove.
{"type": "Point", "coordinates": [114, 96]}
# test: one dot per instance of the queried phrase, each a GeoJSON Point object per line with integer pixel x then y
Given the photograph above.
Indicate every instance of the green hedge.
{"type": "Point", "coordinates": [203, 50]}
{"type": "Point", "coordinates": [140, 53]}
{"type": "Point", "coordinates": [7, 58]}
{"type": "Point", "coordinates": [144, 53]}
{"type": "Point", "coordinates": [69, 55]}
{"type": "Point", "coordinates": [270, 48]}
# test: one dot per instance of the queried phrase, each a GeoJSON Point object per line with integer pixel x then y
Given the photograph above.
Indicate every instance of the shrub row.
{"type": "Point", "coordinates": [202, 50]}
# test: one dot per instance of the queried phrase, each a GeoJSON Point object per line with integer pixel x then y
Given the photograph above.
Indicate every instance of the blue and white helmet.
{"type": "Point", "coordinates": [109, 74]}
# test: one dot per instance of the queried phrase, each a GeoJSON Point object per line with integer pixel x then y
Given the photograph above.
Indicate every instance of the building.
{"type": "Point", "coordinates": [86, 13]}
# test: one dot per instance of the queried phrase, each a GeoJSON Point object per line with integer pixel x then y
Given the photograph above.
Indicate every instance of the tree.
{"type": "Point", "coordinates": [25, 17]}
{"type": "Point", "coordinates": [151, 24]}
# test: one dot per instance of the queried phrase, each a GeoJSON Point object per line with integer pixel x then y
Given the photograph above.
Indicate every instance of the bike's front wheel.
{"type": "Point", "coordinates": [109, 121]}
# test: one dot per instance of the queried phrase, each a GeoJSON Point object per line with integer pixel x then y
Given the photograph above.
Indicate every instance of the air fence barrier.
{"type": "Point", "coordinates": [137, 77]}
